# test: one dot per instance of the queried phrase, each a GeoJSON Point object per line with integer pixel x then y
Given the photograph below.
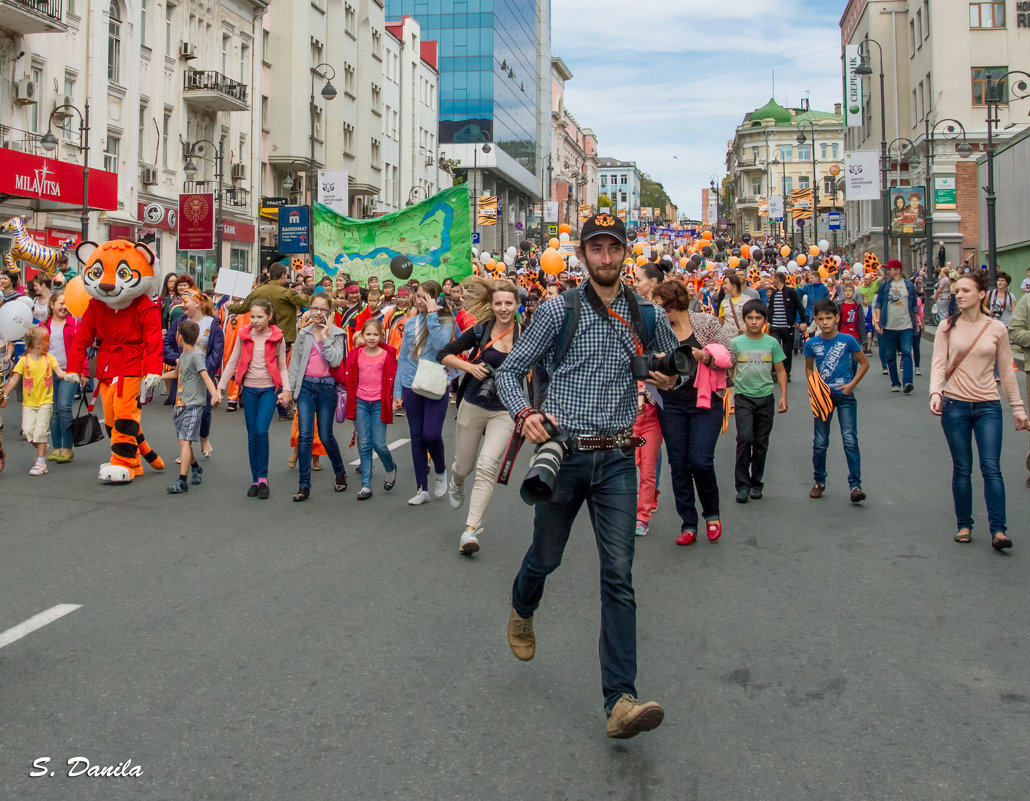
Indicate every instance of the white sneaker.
{"type": "Point", "coordinates": [469, 541]}
{"type": "Point", "coordinates": [455, 494]}
{"type": "Point", "coordinates": [440, 485]}
{"type": "Point", "coordinates": [420, 498]}
{"type": "Point", "coordinates": [918, 371]}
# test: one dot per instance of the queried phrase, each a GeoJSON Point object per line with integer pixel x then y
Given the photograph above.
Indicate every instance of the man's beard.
{"type": "Point", "coordinates": [603, 280]}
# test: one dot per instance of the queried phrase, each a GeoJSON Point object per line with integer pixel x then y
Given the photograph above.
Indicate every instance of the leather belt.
{"type": "Point", "coordinates": [606, 442]}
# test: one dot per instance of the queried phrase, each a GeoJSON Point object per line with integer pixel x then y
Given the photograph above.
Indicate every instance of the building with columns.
{"type": "Point", "coordinates": [574, 167]}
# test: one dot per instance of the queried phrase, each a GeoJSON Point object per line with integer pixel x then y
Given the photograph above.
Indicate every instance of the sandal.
{"type": "Point", "coordinates": [1000, 542]}
{"type": "Point", "coordinates": [964, 537]}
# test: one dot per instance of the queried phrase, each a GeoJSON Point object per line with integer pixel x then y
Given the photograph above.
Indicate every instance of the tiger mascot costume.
{"type": "Point", "coordinates": [126, 324]}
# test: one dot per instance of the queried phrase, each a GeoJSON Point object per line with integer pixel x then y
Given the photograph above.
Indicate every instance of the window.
{"type": "Point", "coordinates": [169, 15]}
{"type": "Point", "coordinates": [622, 180]}
{"type": "Point", "coordinates": [788, 185]}
{"type": "Point", "coordinates": [911, 37]}
{"type": "Point", "coordinates": [756, 186]}
{"type": "Point", "coordinates": [264, 113]}
{"type": "Point", "coordinates": [922, 101]}
{"type": "Point", "coordinates": [114, 42]}
{"type": "Point", "coordinates": [803, 182]}
{"type": "Point", "coordinates": [754, 155]}
{"type": "Point", "coordinates": [143, 22]}
{"type": "Point", "coordinates": [348, 139]}
{"type": "Point", "coordinates": [239, 259]}
{"type": "Point", "coordinates": [987, 15]}
{"type": "Point", "coordinates": [926, 18]}
{"type": "Point", "coordinates": [823, 147]}
{"type": "Point", "coordinates": [623, 198]}
{"type": "Point", "coordinates": [244, 63]}
{"type": "Point", "coordinates": [915, 105]}
{"type": "Point", "coordinates": [348, 79]}
{"type": "Point", "coordinates": [111, 152]}
{"type": "Point", "coordinates": [929, 95]}
{"type": "Point", "coordinates": [919, 27]}
{"type": "Point", "coordinates": [141, 131]}
{"type": "Point", "coordinates": [70, 131]}
{"type": "Point", "coordinates": [226, 48]}
{"type": "Point", "coordinates": [266, 47]}
{"type": "Point", "coordinates": [828, 186]}
{"type": "Point", "coordinates": [835, 148]}
{"type": "Point", "coordinates": [349, 20]}
{"type": "Point", "coordinates": [377, 160]}
{"type": "Point", "coordinates": [166, 125]}
{"type": "Point", "coordinates": [786, 153]}
{"type": "Point", "coordinates": [804, 152]}
{"type": "Point", "coordinates": [36, 75]}
{"type": "Point", "coordinates": [377, 44]}
{"type": "Point", "coordinates": [980, 89]}
{"type": "Point", "coordinates": [604, 180]}
{"type": "Point", "coordinates": [376, 102]}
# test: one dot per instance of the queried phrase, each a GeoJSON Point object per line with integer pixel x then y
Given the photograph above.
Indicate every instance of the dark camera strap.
{"type": "Point", "coordinates": [514, 445]}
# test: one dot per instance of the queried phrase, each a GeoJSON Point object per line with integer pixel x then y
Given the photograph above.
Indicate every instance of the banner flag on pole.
{"type": "Point", "coordinates": [487, 211]}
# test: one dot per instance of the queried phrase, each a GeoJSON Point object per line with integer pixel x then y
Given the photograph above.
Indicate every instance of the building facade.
{"type": "Point", "coordinates": [766, 162]}
{"type": "Point", "coordinates": [574, 160]}
{"type": "Point", "coordinates": [494, 65]}
{"type": "Point", "coordinates": [619, 181]}
{"type": "Point", "coordinates": [936, 58]}
{"type": "Point", "coordinates": [158, 79]}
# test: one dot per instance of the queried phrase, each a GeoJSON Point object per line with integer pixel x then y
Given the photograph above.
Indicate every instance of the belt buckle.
{"type": "Point", "coordinates": [623, 439]}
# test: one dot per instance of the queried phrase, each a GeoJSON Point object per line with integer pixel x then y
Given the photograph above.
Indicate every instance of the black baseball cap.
{"type": "Point", "coordinates": [603, 224]}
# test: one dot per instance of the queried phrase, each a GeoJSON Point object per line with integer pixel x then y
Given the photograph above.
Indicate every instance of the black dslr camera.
{"type": "Point", "coordinates": [538, 485]}
{"type": "Point", "coordinates": [680, 362]}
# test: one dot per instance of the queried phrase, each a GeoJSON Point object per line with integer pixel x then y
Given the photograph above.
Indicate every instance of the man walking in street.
{"type": "Point", "coordinates": [592, 398]}
{"type": "Point", "coordinates": [785, 311]}
{"type": "Point", "coordinates": [896, 317]}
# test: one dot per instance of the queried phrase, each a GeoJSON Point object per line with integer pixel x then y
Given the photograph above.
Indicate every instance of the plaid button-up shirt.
{"type": "Point", "coordinates": [592, 391]}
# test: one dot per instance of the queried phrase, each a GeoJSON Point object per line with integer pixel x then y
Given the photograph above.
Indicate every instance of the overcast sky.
{"type": "Point", "coordinates": [664, 83]}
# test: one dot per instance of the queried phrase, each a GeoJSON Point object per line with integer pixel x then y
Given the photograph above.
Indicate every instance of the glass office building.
{"type": "Point", "coordinates": [488, 70]}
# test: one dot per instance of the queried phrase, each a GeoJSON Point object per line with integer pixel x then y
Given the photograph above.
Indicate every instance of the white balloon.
{"type": "Point", "coordinates": [475, 252]}
{"type": "Point", "coordinates": [484, 257]}
{"type": "Point", "coordinates": [512, 251]}
{"type": "Point", "coordinates": [509, 260]}
{"type": "Point", "coordinates": [15, 320]}
{"type": "Point", "coordinates": [25, 299]}
{"type": "Point", "coordinates": [792, 266]}
{"type": "Point", "coordinates": [563, 237]}
{"type": "Point", "coordinates": [824, 245]}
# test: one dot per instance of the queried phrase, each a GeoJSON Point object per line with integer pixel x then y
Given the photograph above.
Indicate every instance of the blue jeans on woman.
{"type": "Point", "coordinates": [690, 436]}
{"type": "Point", "coordinates": [607, 481]}
{"type": "Point", "coordinates": [846, 409]}
{"type": "Point", "coordinates": [371, 436]}
{"type": "Point", "coordinates": [425, 427]}
{"type": "Point", "coordinates": [316, 401]}
{"type": "Point", "coordinates": [258, 407]}
{"type": "Point", "coordinates": [961, 421]}
{"type": "Point", "coordinates": [64, 402]}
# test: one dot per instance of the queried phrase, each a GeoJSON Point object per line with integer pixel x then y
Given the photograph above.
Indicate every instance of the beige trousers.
{"type": "Point", "coordinates": [493, 429]}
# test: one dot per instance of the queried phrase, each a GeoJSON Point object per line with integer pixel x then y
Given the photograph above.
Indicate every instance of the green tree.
{"type": "Point", "coordinates": [604, 200]}
{"type": "Point", "coordinates": [653, 194]}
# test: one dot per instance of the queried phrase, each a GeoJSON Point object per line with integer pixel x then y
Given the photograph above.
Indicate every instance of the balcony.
{"type": "Point", "coordinates": [198, 187]}
{"type": "Point", "coordinates": [235, 197]}
{"type": "Point", "coordinates": [31, 16]}
{"type": "Point", "coordinates": [750, 164]}
{"type": "Point", "coordinates": [212, 91]}
{"type": "Point", "coordinates": [22, 141]}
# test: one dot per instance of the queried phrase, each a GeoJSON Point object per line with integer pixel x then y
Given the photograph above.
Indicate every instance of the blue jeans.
{"type": "Point", "coordinates": [846, 409]}
{"type": "Point", "coordinates": [961, 421]}
{"type": "Point", "coordinates": [64, 403]}
{"type": "Point", "coordinates": [258, 406]}
{"type": "Point", "coordinates": [607, 481]}
{"type": "Point", "coordinates": [316, 400]}
{"type": "Point", "coordinates": [890, 343]}
{"type": "Point", "coordinates": [690, 436]}
{"type": "Point", "coordinates": [371, 436]}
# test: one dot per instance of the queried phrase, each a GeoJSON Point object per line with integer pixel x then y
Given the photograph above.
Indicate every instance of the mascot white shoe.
{"type": "Point", "coordinates": [126, 324]}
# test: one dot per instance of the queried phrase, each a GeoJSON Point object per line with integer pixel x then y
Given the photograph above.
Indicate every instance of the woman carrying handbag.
{"type": "Point", "coordinates": [963, 392]}
{"type": "Point", "coordinates": [421, 387]}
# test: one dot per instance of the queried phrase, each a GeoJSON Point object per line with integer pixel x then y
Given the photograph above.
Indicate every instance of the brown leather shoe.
{"type": "Point", "coordinates": [629, 717]}
{"type": "Point", "coordinates": [816, 491]}
{"type": "Point", "coordinates": [857, 496]}
{"type": "Point", "coordinates": [520, 635]}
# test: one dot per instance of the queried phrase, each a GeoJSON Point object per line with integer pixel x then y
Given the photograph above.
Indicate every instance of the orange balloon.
{"type": "Point", "coordinates": [490, 265]}
{"type": "Point", "coordinates": [785, 251]}
{"type": "Point", "coordinates": [706, 235]}
{"type": "Point", "coordinates": [710, 266]}
{"type": "Point", "coordinates": [553, 243]}
{"type": "Point", "coordinates": [551, 261]}
{"type": "Point", "coordinates": [564, 228]}
{"type": "Point", "coordinates": [683, 262]}
{"type": "Point", "coordinates": [824, 272]}
{"type": "Point", "coordinates": [802, 259]}
{"type": "Point", "coordinates": [641, 260]}
{"type": "Point", "coordinates": [814, 250]}
{"type": "Point", "coordinates": [745, 251]}
{"type": "Point", "coordinates": [734, 261]}
{"type": "Point", "coordinates": [76, 298]}
{"type": "Point", "coordinates": [638, 248]}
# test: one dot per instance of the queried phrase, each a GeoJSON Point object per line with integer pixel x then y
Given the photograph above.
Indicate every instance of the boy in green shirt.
{"type": "Point", "coordinates": [756, 358]}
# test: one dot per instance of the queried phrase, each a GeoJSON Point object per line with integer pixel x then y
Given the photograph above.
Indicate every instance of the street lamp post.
{"type": "Point", "coordinates": [328, 92]}
{"type": "Point", "coordinates": [906, 147]}
{"type": "Point", "coordinates": [863, 68]}
{"type": "Point", "coordinates": [994, 101]}
{"type": "Point", "coordinates": [416, 194]}
{"type": "Point", "coordinates": [801, 139]}
{"type": "Point", "coordinates": [718, 213]}
{"type": "Point", "coordinates": [544, 194]}
{"type": "Point", "coordinates": [49, 144]}
{"type": "Point", "coordinates": [478, 184]}
{"type": "Point", "coordinates": [964, 150]}
{"type": "Point", "coordinates": [197, 149]}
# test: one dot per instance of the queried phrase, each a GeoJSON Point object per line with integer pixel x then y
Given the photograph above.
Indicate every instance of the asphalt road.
{"type": "Point", "coordinates": [239, 649]}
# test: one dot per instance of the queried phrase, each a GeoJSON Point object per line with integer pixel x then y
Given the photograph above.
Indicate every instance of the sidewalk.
{"type": "Point", "coordinates": [929, 331]}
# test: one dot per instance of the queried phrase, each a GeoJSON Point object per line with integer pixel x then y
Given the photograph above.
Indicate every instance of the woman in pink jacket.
{"type": "Point", "coordinates": [62, 326]}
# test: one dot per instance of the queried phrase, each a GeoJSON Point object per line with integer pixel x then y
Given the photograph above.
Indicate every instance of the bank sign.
{"type": "Point", "coordinates": [853, 97]}
{"type": "Point", "coordinates": [294, 229]}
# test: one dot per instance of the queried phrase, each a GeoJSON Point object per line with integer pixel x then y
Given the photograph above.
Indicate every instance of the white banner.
{"type": "Point", "coordinates": [333, 190]}
{"type": "Point", "coordinates": [551, 211]}
{"type": "Point", "coordinates": [862, 171]}
{"type": "Point", "coordinates": [853, 94]}
{"type": "Point", "coordinates": [776, 207]}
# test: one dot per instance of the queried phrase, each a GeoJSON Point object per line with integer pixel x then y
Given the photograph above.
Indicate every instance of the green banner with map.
{"type": "Point", "coordinates": [435, 234]}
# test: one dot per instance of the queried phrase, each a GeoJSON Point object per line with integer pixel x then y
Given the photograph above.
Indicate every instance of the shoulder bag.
{"type": "Point", "coordinates": [962, 356]}
{"type": "Point", "coordinates": [86, 428]}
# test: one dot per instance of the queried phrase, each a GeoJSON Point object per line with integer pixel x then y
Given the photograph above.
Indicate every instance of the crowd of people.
{"type": "Point", "coordinates": [628, 346]}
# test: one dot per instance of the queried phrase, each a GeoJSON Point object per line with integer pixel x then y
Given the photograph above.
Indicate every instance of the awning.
{"type": "Point", "coordinates": [118, 217]}
{"type": "Point", "coordinates": [48, 179]}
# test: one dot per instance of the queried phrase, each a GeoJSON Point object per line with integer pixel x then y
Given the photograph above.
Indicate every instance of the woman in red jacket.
{"type": "Point", "coordinates": [371, 371]}
{"type": "Point", "coordinates": [61, 327]}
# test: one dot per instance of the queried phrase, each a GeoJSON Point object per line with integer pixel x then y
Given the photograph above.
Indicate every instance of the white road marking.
{"type": "Point", "coordinates": [36, 622]}
{"type": "Point", "coordinates": [392, 446]}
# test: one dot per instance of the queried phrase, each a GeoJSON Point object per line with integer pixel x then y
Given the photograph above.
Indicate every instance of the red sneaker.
{"type": "Point", "coordinates": [714, 530]}
{"type": "Point", "coordinates": [686, 538]}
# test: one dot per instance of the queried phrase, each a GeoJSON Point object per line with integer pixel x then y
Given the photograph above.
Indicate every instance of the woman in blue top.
{"type": "Point", "coordinates": [424, 334]}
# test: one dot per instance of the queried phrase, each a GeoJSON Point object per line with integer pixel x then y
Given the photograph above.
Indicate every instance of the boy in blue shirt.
{"type": "Point", "coordinates": [830, 354]}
